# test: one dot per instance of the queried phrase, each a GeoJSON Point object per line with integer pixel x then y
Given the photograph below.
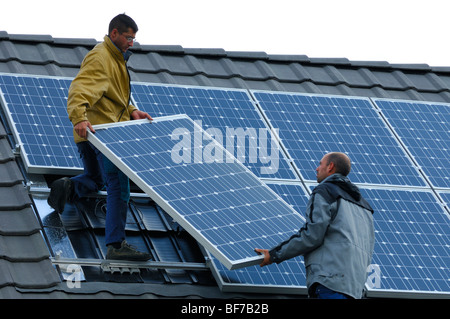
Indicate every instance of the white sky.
{"type": "Point", "coordinates": [397, 31]}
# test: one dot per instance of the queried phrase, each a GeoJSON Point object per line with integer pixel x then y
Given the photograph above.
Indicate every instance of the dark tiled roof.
{"type": "Point", "coordinates": [24, 256]}
{"type": "Point", "coordinates": [34, 54]}
{"type": "Point", "coordinates": [25, 267]}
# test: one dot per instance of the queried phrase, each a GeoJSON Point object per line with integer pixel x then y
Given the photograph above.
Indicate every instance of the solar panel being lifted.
{"type": "Point", "coordinates": [288, 277]}
{"type": "Point", "coordinates": [229, 115]}
{"type": "Point", "coordinates": [224, 206]}
{"type": "Point", "coordinates": [36, 108]}
{"type": "Point", "coordinates": [424, 127]}
{"type": "Point", "coordinates": [312, 125]}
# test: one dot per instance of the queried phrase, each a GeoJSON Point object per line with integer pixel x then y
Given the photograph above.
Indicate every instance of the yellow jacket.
{"type": "Point", "coordinates": [100, 93]}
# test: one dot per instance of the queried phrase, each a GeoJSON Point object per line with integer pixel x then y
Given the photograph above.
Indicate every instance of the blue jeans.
{"type": "Point", "coordinates": [91, 181]}
{"type": "Point", "coordinates": [99, 171]}
{"type": "Point", "coordinates": [322, 292]}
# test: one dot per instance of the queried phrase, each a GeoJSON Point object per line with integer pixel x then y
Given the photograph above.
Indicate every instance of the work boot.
{"type": "Point", "coordinates": [126, 252]}
{"type": "Point", "coordinates": [60, 192]}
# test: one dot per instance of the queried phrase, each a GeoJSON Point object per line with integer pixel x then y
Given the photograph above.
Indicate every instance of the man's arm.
{"type": "Point", "coordinates": [85, 90]}
{"type": "Point", "coordinates": [309, 237]}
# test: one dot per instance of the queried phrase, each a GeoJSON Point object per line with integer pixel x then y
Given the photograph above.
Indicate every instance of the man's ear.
{"type": "Point", "coordinates": [331, 168]}
{"type": "Point", "coordinates": [114, 34]}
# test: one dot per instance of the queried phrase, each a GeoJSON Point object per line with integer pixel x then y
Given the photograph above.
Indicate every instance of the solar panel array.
{"type": "Point", "coordinates": [313, 125]}
{"type": "Point", "coordinates": [221, 204]}
{"type": "Point", "coordinates": [36, 108]}
{"type": "Point", "coordinates": [399, 149]}
{"type": "Point", "coordinates": [412, 246]}
{"type": "Point", "coordinates": [227, 114]}
{"type": "Point", "coordinates": [425, 130]}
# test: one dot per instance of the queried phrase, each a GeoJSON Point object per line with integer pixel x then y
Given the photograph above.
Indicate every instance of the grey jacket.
{"type": "Point", "coordinates": [337, 240]}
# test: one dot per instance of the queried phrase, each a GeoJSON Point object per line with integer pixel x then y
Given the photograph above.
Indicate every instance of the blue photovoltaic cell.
{"type": "Point", "coordinates": [37, 111]}
{"type": "Point", "coordinates": [221, 204]}
{"type": "Point", "coordinates": [312, 125]}
{"type": "Point", "coordinates": [286, 277]}
{"type": "Point", "coordinates": [446, 198]}
{"type": "Point", "coordinates": [222, 113]}
{"type": "Point", "coordinates": [412, 247]}
{"type": "Point", "coordinates": [424, 127]}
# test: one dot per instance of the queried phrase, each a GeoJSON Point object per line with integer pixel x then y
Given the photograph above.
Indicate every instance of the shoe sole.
{"type": "Point", "coordinates": [60, 195]}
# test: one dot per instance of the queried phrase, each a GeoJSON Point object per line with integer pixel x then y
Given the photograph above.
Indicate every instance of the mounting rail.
{"type": "Point", "coordinates": [128, 264]}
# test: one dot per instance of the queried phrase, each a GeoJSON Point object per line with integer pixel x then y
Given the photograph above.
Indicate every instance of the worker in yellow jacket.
{"type": "Point", "coordinates": [100, 94]}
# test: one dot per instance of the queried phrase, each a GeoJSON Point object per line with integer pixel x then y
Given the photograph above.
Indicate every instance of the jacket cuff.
{"type": "Point", "coordinates": [273, 255]}
{"type": "Point", "coordinates": [131, 108]}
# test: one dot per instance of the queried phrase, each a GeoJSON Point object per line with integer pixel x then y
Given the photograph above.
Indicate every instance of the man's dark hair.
{"type": "Point", "coordinates": [122, 22]}
{"type": "Point", "coordinates": [341, 162]}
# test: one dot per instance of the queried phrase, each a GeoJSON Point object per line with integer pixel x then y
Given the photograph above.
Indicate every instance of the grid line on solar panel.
{"type": "Point", "coordinates": [424, 128]}
{"type": "Point", "coordinates": [312, 125]}
{"type": "Point", "coordinates": [445, 196]}
{"type": "Point", "coordinates": [229, 113]}
{"type": "Point", "coordinates": [36, 110]}
{"type": "Point", "coordinates": [223, 205]}
{"type": "Point", "coordinates": [412, 247]}
{"type": "Point", "coordinates": [287, 277]}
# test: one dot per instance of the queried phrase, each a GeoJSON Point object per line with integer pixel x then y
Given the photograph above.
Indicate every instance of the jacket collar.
{"type": "Point", "coordinates": [344, 183]}
{"type": "Point", "coordinates": [115, 50]}
{"type": "Point", "coordinates": [350, 191]}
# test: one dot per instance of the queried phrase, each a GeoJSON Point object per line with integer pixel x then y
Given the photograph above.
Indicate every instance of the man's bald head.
{"type": "Point", "coordinates": [341, 162]}
{"type": "Point", "coordinates": [332, 163]}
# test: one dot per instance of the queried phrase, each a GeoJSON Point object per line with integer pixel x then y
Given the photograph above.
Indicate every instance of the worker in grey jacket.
{"type": "Point", "coordinates": [337, 239]}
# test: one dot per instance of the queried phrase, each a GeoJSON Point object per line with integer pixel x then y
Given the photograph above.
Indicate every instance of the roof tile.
{"type": "Point", "coordinates": [23, 248]}
{"type": "Point", "coordinates": [18, 222]}
{"type": "Point", "coordinates": [28, 275]}
{"type": "Point", "coordinates": [6, 153]}
{"type": "Point", "coordinates": [10, 174]}
{"type": "Point", "coordinates": [14, 197]}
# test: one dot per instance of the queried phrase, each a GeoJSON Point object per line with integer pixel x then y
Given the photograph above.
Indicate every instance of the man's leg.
{"type": "Point", "coordinates": [117, 185]}
{"type": "Point", "coordinates": [67, 189]}
{"type": "Point", "coordinates": [118, 189]}
{"type": "Point", "coordinates": [91, 181]}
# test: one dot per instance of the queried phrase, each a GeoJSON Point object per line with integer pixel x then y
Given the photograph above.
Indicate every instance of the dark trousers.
{"type": "Point", "coordinates": [100, 171]}
{"type": "Point", "coordinates": [321, 292]}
